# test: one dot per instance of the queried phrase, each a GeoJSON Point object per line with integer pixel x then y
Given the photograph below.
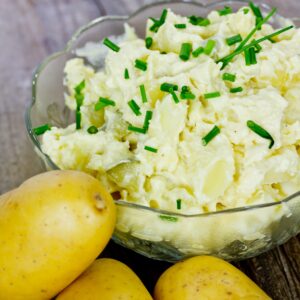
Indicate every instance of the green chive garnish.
{"type": "Point", "coordinates": [143, 93]}
{"type": "Point", "coordinates": [198, 51]}
{"type": "Point", "coordinates": [148, 148]}
{"type": "Point", "coordinates": [250, 56]}
{"type": "Point", "coordinates": [261, 132]}
{"type": "Point", "coordinates": [178, 203]}
{"type": "Point", "coordinates": [139, 64]}
{"type": "Point", "coordinates": [212, 95]}
{"type": "Point", "coordinates": [229, 77]}
{"type": "Point", "coordinates": [225, 11]}
{"type": "Point", "coordinates": [236, 90]}
{"type": "Point", "coordinates": [107, 42]}
{"type": "Point", "coordinates": [198, 21]}
{"type": "Point", "coordinates": [168, 218]}
{"type": "Point", "coordinates": [78, 118]}
{"type": "Point", "coordinates": [209, 47]}
{"type": "Point", "coordinates": [180, 26]}
{"type": "Point", "coordinates": [92, 129]}
{"type": "Point", "coordinates": [225, 60]}
{"type": "Point", "coordinates": [204, 22]}
{"type": "Point", "coordinates": [186, 93]}
{"type": "Point", "coordinates": [234, 39]}
{"type": "Point", "coordinates": [185, 51]}
{"type": "Point", "coordinates": [134, 107]}
{"type": "Point", "coordinates": [102, 102]}
{"type": "Point", "coordinates": [211, 135]}
{"type": "Point", "coordinates": [41, 129]}
{"type": "Point", "coordinates": [147, 120]}
{"type": "Point", "coordinates": [78, 89]}
{"type": "Point", "coordinates": [174, 96]}
{"type": "Point", "coordinates": [257, 47]}
{"type": "Point", "coordinates": [126, 74]}
{"type": "Point", "coordinates": [79, 99]}
{"type": "Point", "coordinates": [246, 10]}
{"type": "Point", "coordinates": [157, 23]}
{"type": "Point", "coordinates": [136, 129]}
{"type": "Point", "coordinates": [257, 12]}
{"type": "Point", "coordinates": [166, 87]}
{"type": "Point", "coordinates": [148, 42]}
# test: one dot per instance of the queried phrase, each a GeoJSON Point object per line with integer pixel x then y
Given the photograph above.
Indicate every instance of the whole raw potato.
{"type": "Point", "coordinates": [106, 279]}
{"type": "Point", "coordinates": [51, 229]}
{"type": "Point", "coordinates": [206, 278]}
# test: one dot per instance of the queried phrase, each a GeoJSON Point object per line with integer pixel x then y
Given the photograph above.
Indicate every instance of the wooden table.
{"type": "Point", "coordinates": [32, 29]}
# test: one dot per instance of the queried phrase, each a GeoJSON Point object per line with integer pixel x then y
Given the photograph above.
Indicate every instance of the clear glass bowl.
{"type": "Point", "coordinates": [232, 234]}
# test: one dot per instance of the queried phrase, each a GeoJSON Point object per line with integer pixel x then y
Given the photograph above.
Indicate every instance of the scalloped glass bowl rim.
{"type": "Point", "coordinates": [68, 47]}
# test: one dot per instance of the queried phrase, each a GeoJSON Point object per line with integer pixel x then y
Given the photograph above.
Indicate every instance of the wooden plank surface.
{"type": "Point", "coordinates": [32, 29]}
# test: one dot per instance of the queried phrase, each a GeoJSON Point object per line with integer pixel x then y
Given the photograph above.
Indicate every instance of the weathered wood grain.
{"type": "Point", "coordinates": [32, 29]}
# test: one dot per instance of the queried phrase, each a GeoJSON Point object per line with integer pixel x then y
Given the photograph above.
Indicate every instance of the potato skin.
{"type": "Point", "coordinates": [106, 279]}
{"type": "Point", "coordinates": [206, 278]}
{"type": "Point", "coordinates": [52, 228]}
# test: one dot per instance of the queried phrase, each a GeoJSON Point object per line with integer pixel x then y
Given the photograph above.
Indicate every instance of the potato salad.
{"type": "Point", "coordinates": [201, 115]}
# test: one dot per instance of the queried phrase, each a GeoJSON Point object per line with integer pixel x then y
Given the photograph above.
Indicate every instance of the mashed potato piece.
{"type": "Point", "coordinates": [235, 169]}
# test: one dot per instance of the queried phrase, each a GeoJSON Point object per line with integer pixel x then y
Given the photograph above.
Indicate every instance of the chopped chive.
{"type": "Point", "coordinates": [166, 87]}
{"type": "Point", "coordinates": [147, 120]}
{"type": "Point", "coordinates": [78, 88]}
{"type": "Point", "coordinates": [257, 12]}
{"type": "Point", "coordinates": [185, 51]}
{"type": "Point", "coordinates": [229, 77]}
{"type": "Point", "coordinates": [204, 22]}
{"type": "Point", "coordinates": [234, 39]}
{"type": "Point", "coordinates": [143, 93]}
{"type": "Point", "coordinates": [174, 96]}
{"type": "Point", "coordinates": [186, 93]}
{"type": "Point", "coordinates": [148, 148]}
{"type": "Point", "coordinates": [136, 129]}
{"type": "Point", "coordinates": [79, 99]}
{"type": "Point", "coordinates": [107, 42]}
{"type": "Point", "coordinates": [178, 203]}
{"type": "Point", "coordinates": [209, 47]}
{"type": "Point", "coordinates": [41, 129]}
{"type": "Point", "coordinates": [92, 129]}
{"type": "Point", "coordinates": [261, 132]}
{"type": "Point", "coordinates": [236, 90]}
{"type": "Point", "coordinates": [198, 51]}
{"type": "Point", "coordinates": [157, 23]}
{"type": "Point", "coordinates": [168, 218]}
{"type": "Point", "coordinates": [180, 26]}
{"type": "Point", "coordinates": [126, 74]}
{"type": "Point", "coordinates": [195, 20]}
{"type": "Point", "coordinates": [211, 135]}
{"type": "Point", "coordinates": [257, 47]}
{"type": "Point", "coordinates": [246, 10]}
{"type": "Point", "coordinates": [225, 11]}
{"type": "Point", "coordinates": [134, 107]}
{"type": "Point", "coordinates": [78, 118]}
{"type": "Point", "coordinates": [148, 42]}
{"type": "Point", "coordinates": [212, 95]}
{"type": "Point", "coordinates": [225, 60]}
{"type": "Point", "coordinates": [102, 102]}
{"type": "Point", "coordinates": [250, 56]}
{"type": "Point", "coordinates": [139, 64]}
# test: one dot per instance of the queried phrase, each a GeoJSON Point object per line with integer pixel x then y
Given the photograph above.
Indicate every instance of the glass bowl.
{"type": "Point", "coordinates": [232, 234]}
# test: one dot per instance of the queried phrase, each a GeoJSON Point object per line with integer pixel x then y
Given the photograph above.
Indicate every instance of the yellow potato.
{"type": "Point", "coordinates": [51, 229]}
{"type": "Point", "coordinates": [106, 279]}
{"type": "Point", "coordinates": [206, 278]}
